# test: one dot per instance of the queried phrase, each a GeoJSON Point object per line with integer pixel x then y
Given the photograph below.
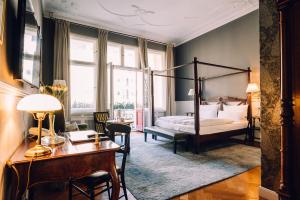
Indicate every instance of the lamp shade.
{"type": "Point", "coordinates": [191, 92]}
{"type": "Point", "coordinates": [252, 87]}
{"type": "Point", "coordinates": [59, 83]}
{"type": "Point", "coordinates": [39, 103]}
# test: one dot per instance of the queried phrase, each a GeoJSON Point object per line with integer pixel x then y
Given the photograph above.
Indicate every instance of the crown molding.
{"type": "Point", "coordinates": [215, 25]}
{"type": "Point", "coordinates": [152, 36]}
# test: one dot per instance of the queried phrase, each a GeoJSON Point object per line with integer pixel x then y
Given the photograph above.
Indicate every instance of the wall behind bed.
{"type": "Point", "coordinates": [234, 44]}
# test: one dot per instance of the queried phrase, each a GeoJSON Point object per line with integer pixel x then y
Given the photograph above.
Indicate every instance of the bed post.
{"type": "Point", "coordinates": [196, 98]}
{"type": "Point", "coordinates": [152, 99]}
{"type": "Point", "coordinates": [200, 89]}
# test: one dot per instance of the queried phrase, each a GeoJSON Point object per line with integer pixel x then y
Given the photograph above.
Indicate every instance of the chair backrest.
{"type": "Point", "coordinates": [100, 119]}
{"type": "Point", "coordinates": [120, 128]}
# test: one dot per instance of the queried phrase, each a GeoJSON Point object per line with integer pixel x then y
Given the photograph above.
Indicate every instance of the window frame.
{"type": "Point", "coordinates": [122, 56]}
{"type": "Point", "coordinates": [84, 111]}
{"type": "Point", "coordinates": [163, 53]}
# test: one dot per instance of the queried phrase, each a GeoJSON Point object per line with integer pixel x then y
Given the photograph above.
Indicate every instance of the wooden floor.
{"type": "Point", "coordinates": [241, 187]}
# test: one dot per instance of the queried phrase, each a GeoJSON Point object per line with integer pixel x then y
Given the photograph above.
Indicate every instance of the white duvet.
{"type": "Point", "coordinates": [186, 120]}
{"type": "Point", "coordinates": [207, 126]}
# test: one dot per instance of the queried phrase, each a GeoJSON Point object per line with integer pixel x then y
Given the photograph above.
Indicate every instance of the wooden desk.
{"type": "Point", "coordinates": [66, 161]}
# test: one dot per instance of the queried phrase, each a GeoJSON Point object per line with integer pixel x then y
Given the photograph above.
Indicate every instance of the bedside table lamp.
{"type": "Point", "coordinates": [191, 92]}
{"type": "Point", "coordinates": [39, 105]}
{"type": "Point", "coordinates": [251, 88]}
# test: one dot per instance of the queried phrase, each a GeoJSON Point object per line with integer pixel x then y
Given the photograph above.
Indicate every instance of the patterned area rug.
{"type": "Point", "coordinates": [154, 172]}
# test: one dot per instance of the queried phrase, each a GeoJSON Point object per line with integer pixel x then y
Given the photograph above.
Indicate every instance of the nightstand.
{"type": "Point", "coordinates": [189, 114]}
{"type": "Point", "coordinates": [254, 127]}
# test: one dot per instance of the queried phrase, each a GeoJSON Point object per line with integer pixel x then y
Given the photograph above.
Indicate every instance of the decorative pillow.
{"type": "Point", "coordinates": [234, 112]}
{"type": "Point", "coordinates": [209, 111]}
{"type": "Point", "coordinates": [233, 103]}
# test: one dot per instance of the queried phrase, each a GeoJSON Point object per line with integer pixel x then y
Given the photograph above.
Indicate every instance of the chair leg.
{"type": "Point", "coordinates": [91, 191]}
{"type": "Point", "coordinates": [108, 190]}
{"type": "Point", "coordinates": [124, 186]}
{"type": "Point", "coordinates": [175, 146]}
{"type": "Point", "coordinates": [70, 190]}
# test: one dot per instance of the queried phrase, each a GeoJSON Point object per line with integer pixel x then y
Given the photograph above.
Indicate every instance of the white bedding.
{"type": "Point", "coordinates": [207, 126]}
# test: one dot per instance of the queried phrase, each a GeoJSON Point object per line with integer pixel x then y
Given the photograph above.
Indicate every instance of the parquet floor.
{"type": "Point", "coordinates": [240, 187]}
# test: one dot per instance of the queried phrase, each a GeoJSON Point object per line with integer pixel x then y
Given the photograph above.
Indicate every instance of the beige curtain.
{"type": "Point", "coordinates": [142, 43]}
{"type": "Point", "coordinates": [170, 104]}
{"type": "Point", "coordinates": [101, 102]}
{"type": "Point", "coordinates": [61, 65]}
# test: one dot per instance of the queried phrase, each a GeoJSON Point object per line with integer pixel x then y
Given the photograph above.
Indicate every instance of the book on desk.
{"type": "Point", "coordinates": [84, 136]}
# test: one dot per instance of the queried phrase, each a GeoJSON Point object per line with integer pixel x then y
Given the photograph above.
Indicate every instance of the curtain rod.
{"type": "Point", "coordinates": [51, 16]}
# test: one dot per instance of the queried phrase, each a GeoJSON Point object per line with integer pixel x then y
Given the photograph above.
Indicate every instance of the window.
{"type": "Point", "coordinates": [156, 59]}
{"type": "Point", "coordinates": [156, 62]}
{"type": "Point", "coordinates": [30, 56]}
{"type": "Point", "coordinates": [122, 55]}
{"type": "Point", "coordinates": [83, 64]}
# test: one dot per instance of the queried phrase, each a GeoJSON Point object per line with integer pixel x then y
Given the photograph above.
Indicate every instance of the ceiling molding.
{"type": "Point", "coordinates": [213, 26]}
{"type": "Point", "coordinates": [102, 25]}
{"type": "Point", "coordinates": [139, 19]}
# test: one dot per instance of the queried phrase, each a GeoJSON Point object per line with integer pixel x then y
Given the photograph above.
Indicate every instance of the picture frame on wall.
{"type": "Point", "coordinates": [2, 19]}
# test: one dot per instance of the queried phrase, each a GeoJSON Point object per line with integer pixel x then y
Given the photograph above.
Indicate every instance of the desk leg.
{"type": "Point", "coordinates": [115, 182]}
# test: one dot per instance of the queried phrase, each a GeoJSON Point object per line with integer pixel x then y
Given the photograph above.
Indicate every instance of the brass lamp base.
{"type": "Point", "coordinates": [37, 151]}
{"type": "Point", "coordinates": [53, 140]}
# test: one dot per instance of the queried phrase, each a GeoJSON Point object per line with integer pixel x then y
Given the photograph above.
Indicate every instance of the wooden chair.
{"type": "Point", "coordinates": [100, 119]}
{"type": "Point", "coordinates": [101, 179]}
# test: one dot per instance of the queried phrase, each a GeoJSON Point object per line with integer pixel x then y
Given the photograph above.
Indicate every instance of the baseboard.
{"type": "Point", "coordinates": [267, 194]}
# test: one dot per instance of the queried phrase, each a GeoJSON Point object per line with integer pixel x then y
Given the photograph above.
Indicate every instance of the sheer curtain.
{"type": "Point", "coordinates": [170, 104]}
{"type": "Point", "coordinates": [61, 62]}
{"type": "Point", "coordinates": [101, 102]}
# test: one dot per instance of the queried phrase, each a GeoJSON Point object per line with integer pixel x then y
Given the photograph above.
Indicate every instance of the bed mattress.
{"type": "Point", "coordinates": [207, 126]}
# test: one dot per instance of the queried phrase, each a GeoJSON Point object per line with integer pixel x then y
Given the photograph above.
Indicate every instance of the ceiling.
{"type": "Point", "coordinates": [175, 21]}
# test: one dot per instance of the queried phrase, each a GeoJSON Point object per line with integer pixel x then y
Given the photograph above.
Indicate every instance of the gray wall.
{"type": "Point", "coordinates": [234, 44]}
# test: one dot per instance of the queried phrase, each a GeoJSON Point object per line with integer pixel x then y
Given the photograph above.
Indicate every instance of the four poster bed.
{"type": "Point", "coordinates": [213, 119]}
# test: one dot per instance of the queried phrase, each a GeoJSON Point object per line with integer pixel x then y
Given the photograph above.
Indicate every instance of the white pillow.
{"type": "Point", "coordinates": [209, 111]}
{"type": "Point", "coordinates": [235, 113]}
{"type": "Point", "coordinates": [233, 103]}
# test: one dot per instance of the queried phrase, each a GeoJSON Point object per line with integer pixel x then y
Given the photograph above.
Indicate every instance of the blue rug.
{"type": "Point", "coordinates": [153, 172]}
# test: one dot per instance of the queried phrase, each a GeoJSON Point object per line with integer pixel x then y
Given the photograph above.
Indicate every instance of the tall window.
{"type": "Point", "coordinates": [156, 62]}
{"type": "Point", "coordinates": [83, 62]}
{"type": "Point", "coordinates": [31, 56]}
{"type": "Point", "coordinates": [122, 55]}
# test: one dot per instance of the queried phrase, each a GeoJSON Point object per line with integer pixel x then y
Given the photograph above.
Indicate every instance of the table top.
{"type": "Point", "coordinates": [64, 150]}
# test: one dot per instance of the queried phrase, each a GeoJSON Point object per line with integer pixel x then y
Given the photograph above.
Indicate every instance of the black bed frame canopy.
{"type": "Point", "coordinates": [198, 82]}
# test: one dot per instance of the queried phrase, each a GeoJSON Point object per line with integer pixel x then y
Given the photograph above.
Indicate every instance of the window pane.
{"type": "Point", "coordinates": [130, 57]}
{"type": "Point", "coordinates": [83, 90]}
{"type": "Point", "coordinates": [114, 54]}
{"type": "Point", "coordinates": [82, 50]}
{"type": "Point", "coordinates": [156, 60]}
{"type": "Point", "coordinates": [30, 40]}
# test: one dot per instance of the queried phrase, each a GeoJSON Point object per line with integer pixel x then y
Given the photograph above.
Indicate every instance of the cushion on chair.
{"type": "Point", "coordinates": [95, 178]}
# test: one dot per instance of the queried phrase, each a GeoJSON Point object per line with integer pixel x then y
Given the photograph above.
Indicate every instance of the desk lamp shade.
{"type": "Point", "coordinates": [39, 105]}
{"type": "Point", "coordinates": [36, 103]}
{"type": "Point", "coordinates": [252, 87]}
{"type": "Point", "coordinates": [191, 92]}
